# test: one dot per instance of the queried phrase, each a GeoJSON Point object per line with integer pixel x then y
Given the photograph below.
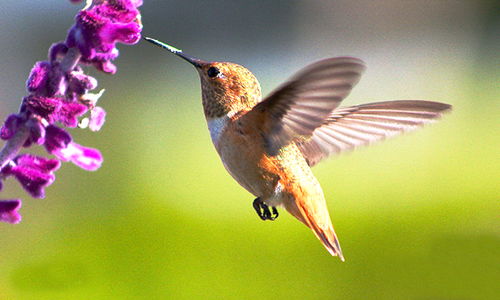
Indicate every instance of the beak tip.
{"type": "Point", "coordinates": [194, 61]}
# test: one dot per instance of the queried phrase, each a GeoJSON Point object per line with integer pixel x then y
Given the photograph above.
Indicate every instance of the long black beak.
{"type": "Point", "coordinates": [192, 60]}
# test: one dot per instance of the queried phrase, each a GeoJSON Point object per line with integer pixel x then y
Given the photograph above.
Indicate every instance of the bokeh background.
{"type": "Point", "coordinates": [417, 216]}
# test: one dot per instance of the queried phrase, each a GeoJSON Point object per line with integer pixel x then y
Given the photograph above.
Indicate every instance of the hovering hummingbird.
{"type": "Point", "coordinates": [269, 145]}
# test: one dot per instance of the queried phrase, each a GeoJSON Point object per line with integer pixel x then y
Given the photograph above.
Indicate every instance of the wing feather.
{"type": "Point", "coordinates": [350, 127]}
{"type": "Point", "coordinates": [303, 103]}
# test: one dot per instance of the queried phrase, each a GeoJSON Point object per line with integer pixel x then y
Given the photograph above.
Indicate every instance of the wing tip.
{"type": "Point", "coordinates": [439, 106]}
{"type": "Point", "coordinates": [447, 107]}
{"type": "Point", "coordinates": [352, 58]}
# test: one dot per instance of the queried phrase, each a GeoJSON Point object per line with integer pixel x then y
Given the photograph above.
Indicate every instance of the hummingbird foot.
{"type": "Point", "coordinates": [263, 210]}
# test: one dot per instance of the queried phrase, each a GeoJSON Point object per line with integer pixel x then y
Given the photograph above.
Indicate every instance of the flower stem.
{"type": "Point", "coordinates": [70, 60]}
{"type": "Point", "coordinates": [13, 145]}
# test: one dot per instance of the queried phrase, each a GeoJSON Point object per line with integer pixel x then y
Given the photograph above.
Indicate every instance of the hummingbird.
{"type": "Point", "coordinates": [268, 145]}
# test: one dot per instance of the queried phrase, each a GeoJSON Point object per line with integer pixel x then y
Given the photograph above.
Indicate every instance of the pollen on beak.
{"type": "Point", "coordinates": [192, 60]}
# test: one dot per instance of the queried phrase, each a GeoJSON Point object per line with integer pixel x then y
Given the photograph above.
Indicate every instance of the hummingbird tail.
{"type": "Point", "coordinates": [320, 225]}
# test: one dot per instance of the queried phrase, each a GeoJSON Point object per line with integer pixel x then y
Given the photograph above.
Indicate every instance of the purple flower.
{"type": "Point", "coordinates": [46, 79]}
{"type": "Point", "coordinates": [38, 76]}
{"type": "Point", "coordinates": [99, 28]}
{"type": "Point", "coordinates": [57, 51]}
{"type": "Point", "coordinates": [79, 84]}
{"type": "Point", "coordinates": [59, 143]}
{"type": "Point", "coordinates": [37, 132]}
{"type": "Point", "coordinates": [33, 172]}
{"type": "Point", "coordinates": [14, 121]}
{"type": "Point", "coordinates": [56, 139]}
{"type": "Point", "coordinates": [70, 112]}
{"type": "Point", "coordinates": [9, 211]}
{"type": "Point", "coordinates": [10, 126]}
{"type": "Point", "coordinates": [43, 107]}
{"type": "Point", "coordinates": [86, 158]}
{"type": "Point", "coordinates": [59, 93]}
{"type": "Point", "coordinates": [55, 109]}
{"type": "Point", "coordinates": [97, 118]}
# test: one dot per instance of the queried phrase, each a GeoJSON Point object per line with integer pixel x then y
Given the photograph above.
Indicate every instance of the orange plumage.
{"type": "Point", "coordinates": [269, 145]}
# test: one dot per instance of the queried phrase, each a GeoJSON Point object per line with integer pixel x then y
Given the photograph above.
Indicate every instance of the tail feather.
{"type": "Point", "coordinates": [319, 222]}
{"type": "Point", "coordinates": [329, 240]}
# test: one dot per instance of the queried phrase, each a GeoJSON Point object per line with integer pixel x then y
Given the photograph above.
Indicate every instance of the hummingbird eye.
{"type": "Point", "coordinates": [213, 72]}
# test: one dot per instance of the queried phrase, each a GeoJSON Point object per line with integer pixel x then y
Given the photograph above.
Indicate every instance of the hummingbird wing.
{"type": "Point", "coordinates": [350, 127]}
{"type": "Point", "coordinates": [299, 106]}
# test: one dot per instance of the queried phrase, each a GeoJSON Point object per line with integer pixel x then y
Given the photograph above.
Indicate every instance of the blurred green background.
{"type": "Point", "coordinates": [417, 216]}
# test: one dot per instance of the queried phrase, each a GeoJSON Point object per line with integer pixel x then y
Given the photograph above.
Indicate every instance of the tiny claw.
{"type": "Point", "coordinates": [257, 206]}
{"type": "Point", "coordinates": [263, 210]}
{"type": "Point", "coordinates": [275, 213]}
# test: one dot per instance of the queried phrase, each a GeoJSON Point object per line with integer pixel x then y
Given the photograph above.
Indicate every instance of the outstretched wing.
{"type": "Point", "coordinates": [304, 102]}
{"type": "Point", "coordinates": [350, 127]}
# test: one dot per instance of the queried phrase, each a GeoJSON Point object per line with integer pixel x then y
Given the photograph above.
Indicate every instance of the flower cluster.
{"type": "Point", "coordinates": [59, 96]}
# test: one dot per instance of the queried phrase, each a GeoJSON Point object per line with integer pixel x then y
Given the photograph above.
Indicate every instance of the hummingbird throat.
{"type": "Point", "coordinates": [216, 126]}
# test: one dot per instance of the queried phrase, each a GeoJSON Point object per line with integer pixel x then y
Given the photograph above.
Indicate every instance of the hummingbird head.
{"type": "Point", "coordinates": [227, 88]}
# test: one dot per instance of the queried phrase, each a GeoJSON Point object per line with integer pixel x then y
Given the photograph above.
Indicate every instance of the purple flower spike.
{"type": "Point", "coordinates": [97, 118]}
{"type": "Point", "coordinates": [58, 91]}
{"type": "Point", "coordinates": [33, 172]}
{"type": "Point", "coordinates": [86, 158]}
{"type": "Point", "coordinates": [9, 211]}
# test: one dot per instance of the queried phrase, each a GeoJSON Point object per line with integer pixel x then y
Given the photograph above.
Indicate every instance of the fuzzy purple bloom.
{"type": "Point", "coordinates": [99, 28]}
{"type": "Point", "coordinates": [9, 211]}
{"type": "Point", "coordinates": [56, 139]}
{"type": "Point", "coordinates": [38, 76]}
{"type": "Point", "coordinates": [97, 118]}
{"type": "Point", "coordinates": [59, 143]}
{"type": "Point", "coordinates": [57, 51]}
{"type": "Point", "coordinates": [44, 107]}
{"type": "Point", "coordinates": [79, 84]}
{"type": "Point", "coordinates": [59, 93]}
{"type": "Point", "coordinates": [37, 132]}
{"type": "Point", "coordinates": [86, 158]}
{"type": "Point", "coordinates": [46, 79]}
{"type": "Point", "coordinates": [70, 112]}
{"type": "Point", "coordinates": [55, 109]}
{"type": "Point", "coordinates": [10, 126]}
{"type": "Point", "coordinates": [33, 172]}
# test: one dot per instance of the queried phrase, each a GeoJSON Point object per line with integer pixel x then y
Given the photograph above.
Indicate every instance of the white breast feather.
{"type": "Point", "coordinates": [216, 127]}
